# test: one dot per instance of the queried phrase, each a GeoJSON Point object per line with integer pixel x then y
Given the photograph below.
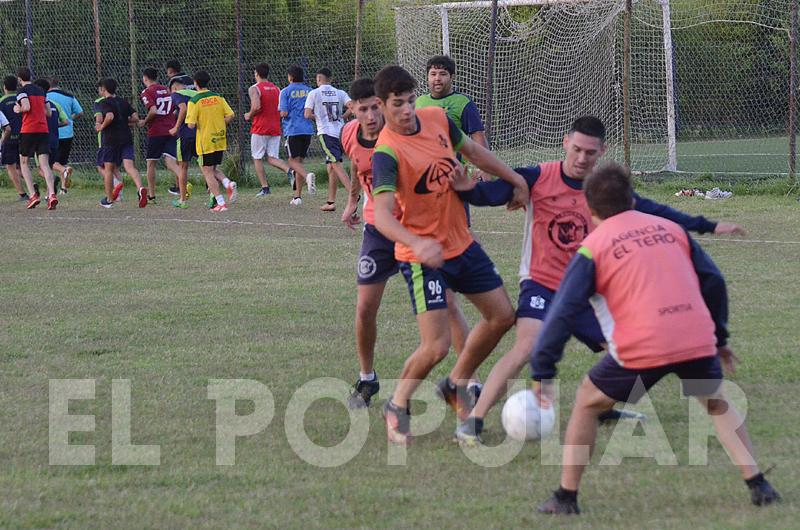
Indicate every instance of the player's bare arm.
{"type": "Point", "coordinates": [255, 103]}
{"type": "Point", "coordinates": [485, 160]}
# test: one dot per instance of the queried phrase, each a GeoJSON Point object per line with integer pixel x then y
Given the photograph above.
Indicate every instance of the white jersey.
{"type": "Point", "coordinates": [3, 124]}
{"type": "Point", "coordinates": [329, 105]}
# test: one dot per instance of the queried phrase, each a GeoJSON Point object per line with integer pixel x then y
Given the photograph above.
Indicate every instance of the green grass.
{"type": "Point", "coordinates": [172, 298]}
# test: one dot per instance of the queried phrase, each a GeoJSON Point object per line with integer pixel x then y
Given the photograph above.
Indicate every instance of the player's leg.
{"type": "Point", "coordinates": [376, 264]}
{"type": "Point", "coordinates": [330, 205]}
{"type": "Point", "coordinates": [14, 175]}
{"type": "Point", "coordinates": [108, 171]}
{"type": "Point", "coordinates": [297, 150]}
{"type": "Point", "coordinates": [273, 155]}
{"type": "Point", "coordinates": [258, 150]}
{"type": "Point", "coordinates": [26, 150]}
{"type": "Point", "coordinates": [154, 154]}
{"type": "Point", "coordinates": [64, 150]}
{"type": "Point", "coordinates": [124, 155]}
{"type": "Point", "coordinates": [459, 329]}
{"type": "Point", "coordinates": [44, 165]}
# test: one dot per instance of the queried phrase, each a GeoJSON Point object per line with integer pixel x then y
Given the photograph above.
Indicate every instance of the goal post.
{"type": "Point", "coordinates": [553, 60]}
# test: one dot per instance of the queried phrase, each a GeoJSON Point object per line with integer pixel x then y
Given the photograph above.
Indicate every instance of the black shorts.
{"type": "Point", "coordinates": [10, 153]}
{"type": "Point", "coordinates": [158, 146]}
{"type": "Point", "coordinates": [699, 377]}
{"type": "Point", "coordinates": [31, 144]}
{"type": "Point", "coordinates": [297, 146]}
{"type": "Point", "coordinates": [64, 149]}
{"type": "Point", "coordinates": [211, 159]}
{"type": "Point", "coordinates": [186, 149]}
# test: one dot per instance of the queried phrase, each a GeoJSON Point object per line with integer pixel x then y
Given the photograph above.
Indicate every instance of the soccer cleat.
{"type": "Point", "coordinates": [189, 189]}
{"type": "Point", "coordinates": [398, 423]}
{"type": "Point", "coordinates": [762, 493]}
{"type": "Point", "coordinates": [212, 201]}
{"type": "Point", "coordinates": [233, 192]}
{"type": "Point", "coordinates": [62, 191]}
{"type": "Point", "coordinates": [52, 202]}
{"type": "Point", "coordinates": [311, 183]}
{"type": "Point", "coordinates": [292, 178]}
{"type": "Point", "coordinates": [33, 202]}
{"type": "Point", "coordinates": [328, 207]}
{"type": "Point", "coordinates": [117, 190]}
{"type": "Point", "coordinates": [264, 192]}
{"type": "Point", "coordinates": [297, 201]}
{"type": "Point", "coordinates": [557, 506]}
{"type": "Point", "coordinates": [152, 199]}
{"type": "Point", "coordinates": [177, 203]}
{"type": "Point", "coordinates": [173, 190]}
{"type": "Point", "coordinates": [142, 197]}
{"type": "Point", "coordinates": [67, 177]}
{"type": "Point", "coordinates": [105, 204]}
{"type": "Point", "coordinates": [474, 394]}
{"type": "Point", "coordinates": [468, 433]}
{"type": "Point", "coordinates": [617, 414]}
{"type": "Point", "coordinates": [454, 396]}
{"type": "Point", "coordinates": [24, 197]}
{"type": "Point", "coordinates": [219, 208]}
{"type": "Point", "coordinates": [362, 393]}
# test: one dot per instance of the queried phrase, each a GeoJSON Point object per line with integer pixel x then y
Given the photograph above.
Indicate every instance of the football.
{"type": "Point", "coordinates": [523, 418]}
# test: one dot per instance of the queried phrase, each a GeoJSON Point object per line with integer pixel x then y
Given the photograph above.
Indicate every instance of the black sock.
{"type": "Point", "coordinates": [23, 194]}
{"type": "Point", "coordinates": [330, 202]}
{"type": "Point", "coordinates": [566, 495]}
{"type": "Point", "coordinates": [265, 188]}
{"type": "Point", "coordinates": [755, 480]}
{"type": "Point", "coordinates": [477, 424]}
{"type": "Point", "coordinates": [149, 198]}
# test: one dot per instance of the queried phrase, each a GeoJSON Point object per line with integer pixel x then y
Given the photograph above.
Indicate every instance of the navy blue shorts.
{"type": "Point", "coordinates": [186, 149]}
{"type": "Point", "coordinates": [376, 262]}
{"type": "Point", "coordinates": [10, 154]}
{"type": "Point", "coordinates": [115, 154]}
{"type": "Point", "coordinates": [534, 301]}
{"type": "Point", "coordinates": [332, 148]}
{"type": "Point", "coordinates": [699, 377]}
{"type": "Point", "coordinates": [158, 146]}
{"type": "Point", "coordinates": [472, 272]}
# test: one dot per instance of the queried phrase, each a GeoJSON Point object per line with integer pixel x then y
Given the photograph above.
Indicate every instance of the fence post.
{"type": "Point", "coordinates": [134, 68]}
{"type": "Point", "coordinates": [239, 85]}
{"type": "Point", "coordinates": [97, 56]}
{"type": "Point", "coordinates": [793, 95]}
{"type": "Point", "coordinates": [29, 37]}
{"type": "Point", "coordinates": [490, 74]}
{"type": "Point", "coordinates": [359, 13]}
{"type": "Point", "coordinates": [626, 84]}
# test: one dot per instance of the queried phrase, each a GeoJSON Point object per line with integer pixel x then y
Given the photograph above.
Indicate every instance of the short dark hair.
{"type": "Point", "coordinates": [441, 61]}
{"type": "Point", "coordinates": [10, 83]}
{"type": "Point", "coordinates": [24, 73]}
{"type": "Point", "coordinates": [54, 81]}
{"type": "Point", "coordinates": [393, 79]}
{"type": "Point", "coordinates": [590, 126]}
{"type": "Point", "coordinates": [201, 79]}
{"type": "Point", "coordinates": [609, 190]}
{"type": "Point", "coordinates": [150, 73]}
{"type": "Point", "coordinates": [326, 72]}
{"type": "Point", "coordinates": [42, 83]}
{"type": "Point", "coordinates": [296, 72]}
{"type": "Point", "coordinates": [362, 89]}
{"type": "Point", "coordinates": [262, 69]}
{"type": "Point", "coordinates": [109, 84]}
{"type": "Point", "coordinates": [174, 65]}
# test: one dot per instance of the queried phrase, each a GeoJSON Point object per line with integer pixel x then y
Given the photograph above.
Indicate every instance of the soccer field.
{"type": "Point", "coordinates": [171, 299]}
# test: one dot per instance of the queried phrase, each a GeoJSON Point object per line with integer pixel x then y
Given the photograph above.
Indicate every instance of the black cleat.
{"type": "Point", "coordinates": [617, 414]}
{"type": "Point", "coordinates": [455, 396]}
{"type": "Point", "coordinates": [468, 433]}
{"type": "Point", "coordinates": [556, 506]}
{"type": "Point", "coordinates": [762, 493]}
{"type": "Point", "coordinates": [362, 393]}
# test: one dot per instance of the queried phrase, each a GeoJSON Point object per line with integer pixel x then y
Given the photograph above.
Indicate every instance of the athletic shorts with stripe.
{"type": "Point", "coordinates": [376, 262]}
{"type": "Point", "coordinates": [471, 272]}
{"type": "Point", "coordinates": [186, 149]}
{"type": "Point", "coordinates": [332, 148]}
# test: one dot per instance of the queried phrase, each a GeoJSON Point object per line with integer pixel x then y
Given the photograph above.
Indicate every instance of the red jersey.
{"type": "Point", "coordinates": [267, 121]}
{"type": "Point", "coordinates": [422, 164]}
{"type": "Point", "coordinates": [35, 120]}
{"type": "Point", "coordinates": [159, 96]}
{"type": "Point", "coordinates": [558, 220]}
{"type": "Point", "coordinates": [360, 153]}
{"type": "Point", "coordinates": [648, 299]}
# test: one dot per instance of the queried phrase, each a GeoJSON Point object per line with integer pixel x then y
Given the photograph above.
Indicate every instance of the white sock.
{"type": "Point", "coordinates": [226, 182]}
{"type": "Point", "coordinates": [368, 377]}
{"type": "Point", "coordinates": [472, 384]}
{"type": "Point", "coordinates": [220, 200]}
{"type": "Point", "coordinates": [116, 181]}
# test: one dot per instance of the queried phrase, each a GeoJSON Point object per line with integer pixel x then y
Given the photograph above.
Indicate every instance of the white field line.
{"type": "Point", "coordinates": [337, 227]}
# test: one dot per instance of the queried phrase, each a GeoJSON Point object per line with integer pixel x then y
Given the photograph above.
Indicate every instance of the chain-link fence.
{"type": "Point", "coordinates": [710, 90]}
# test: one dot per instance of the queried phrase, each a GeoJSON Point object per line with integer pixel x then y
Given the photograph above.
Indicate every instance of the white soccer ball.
{"type": "Point", "coordinates": [524, 419]}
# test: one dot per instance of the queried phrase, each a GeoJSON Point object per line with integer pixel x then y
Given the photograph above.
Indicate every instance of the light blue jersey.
{"type": "Point", "coordinates": [293, 100]}
{"type": "Point", "coordinates": [70, 106]}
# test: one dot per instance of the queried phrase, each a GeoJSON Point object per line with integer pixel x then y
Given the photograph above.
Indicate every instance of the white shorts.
{"type": "Point", "coordinates": [262, 146]}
